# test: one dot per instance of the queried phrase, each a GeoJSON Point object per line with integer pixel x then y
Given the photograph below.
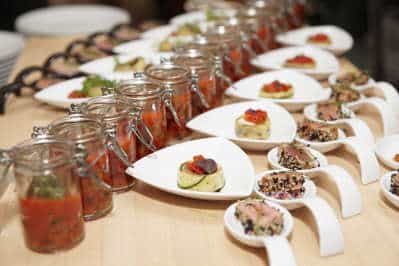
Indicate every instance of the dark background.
{"type": "Point", "coordinates": [373, 23]}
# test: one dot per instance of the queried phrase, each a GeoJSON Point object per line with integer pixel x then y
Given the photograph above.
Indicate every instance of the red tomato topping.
{"type": "Point", "coordinates": [301, 59]}
{"type": "Point", "coordinates": [255, 116]}
{"type": "Point", "coordinates": [276, 86]}
{"type": "Point", "coordinates": [319, 37]}
{"type": "Point", "coordinates": [200, 165]}
{"type": "Point", "coordinates": [76, 94]}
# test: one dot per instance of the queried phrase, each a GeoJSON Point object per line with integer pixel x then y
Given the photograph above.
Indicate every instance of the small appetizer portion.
{"type": "Point", "coordinates": [258, 218]}
{"type": "Point", "coordinates": [283, 185]}
{"type": "Point", "coordinates": [319, 39]}
{"type": "Point", "coordinates": [296, 156]}
{"type": "Point", "coordinates": [180, 36]}
{"type": "Point", "coordinates": [201, 174]}
{"type": "Point", "coordinates": [300, 61]}
{"type": "Point", "coordinates": [395, 183]}
{"type": "Point", "coordinates": [187, 29]}
{"type": "Point", "coordinates": [276, 90]}
{"type": "Point", "coordinates": [313, 131]}
{"type": "Point", "coordinates": [331, 111]}
{"type": "Point", "coordinates": [343, 93]}
{"type": "Point", "coordinates": [92, 87]}
{"type": "Point", "coordinates": [354, 78]}
{"type": "Point", "coordinates": [396, 158]}
{"type": "Point", "coordinates": [136, 64]}
{"type": "Point", "coordinates": [253, 124]}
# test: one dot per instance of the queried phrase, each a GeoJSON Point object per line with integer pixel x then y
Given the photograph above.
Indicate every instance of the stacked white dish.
{"type": "Point", "coordinates": [11, 46]}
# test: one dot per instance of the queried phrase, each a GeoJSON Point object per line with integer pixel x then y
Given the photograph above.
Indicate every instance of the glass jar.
{"type": "Point", "coordinates": [175, 79]}
{"type": "Point", "coordinates": [152, 100]}
{"type": "Point", "coordinates": [295, 10]}
{"type": "Point", "coordinates": [90, 139]}
{"type": "Point", "coordinates": [48, 193]}
{"type": "Point", "coordinates": [122, 124]}
{"type": "Point", "coordinates": [203, 79]}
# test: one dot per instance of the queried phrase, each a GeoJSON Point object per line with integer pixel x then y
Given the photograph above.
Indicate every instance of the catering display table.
{"type": "Point", "coordinates": [150, 227]}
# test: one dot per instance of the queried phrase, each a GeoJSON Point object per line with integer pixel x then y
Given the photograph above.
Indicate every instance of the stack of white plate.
{"type": "Point", "coordinates": [11, 45]}
{"type": "Point", "coordinates": [70, 19]}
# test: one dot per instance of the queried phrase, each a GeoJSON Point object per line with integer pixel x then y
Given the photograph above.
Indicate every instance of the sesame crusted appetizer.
{"type": "Point", "coordinates": [282, 185]}
{"type": "Point", "coordinates": [354, 78]}
{"type": "Point", "coordinates": [331, 111]}
{"type": "Point", "coordinates": [300, 61]}
{"type": "Point", "coordinates": [276, 90]}
{"type": "Point", "coordinates": [313, 131]}
{"type": "Point", "coordinates": [395, 183]}
{"type": "Point", "coordinates": [343, 93]}
{"type": "Point", "coordinates": [201, 174]}
{"type": "Point", "coordinates": [258, 218]}
{"type": "Point", "coordinates": [254, 124]}
{"type": "Point", "coordinates": [319, 39]}
{"type": "Point", "coordinates": [296, 156]}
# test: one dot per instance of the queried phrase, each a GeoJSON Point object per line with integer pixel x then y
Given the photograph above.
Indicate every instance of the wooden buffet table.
{"type": "Point", "coordinates": [150, 227]}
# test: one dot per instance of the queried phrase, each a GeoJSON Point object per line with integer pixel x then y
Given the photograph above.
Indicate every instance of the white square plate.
{"type": "Point", "coordinates": [160, 169]}
{"type": "Point", "coordinates": [221, 122]}
{"type": "Point", "coordinates": [341, 40]}
{"type": "Point", "coordinates": [326, 62]}
{"type": "Point", "coordinates": [306, 89]}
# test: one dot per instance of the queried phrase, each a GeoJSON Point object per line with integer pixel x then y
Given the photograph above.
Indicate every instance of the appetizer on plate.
{"type": "Point", "coordinates": [395, 183]}
{"type": "Point", "coordinates": [92, 87]}
{"type": "Point", "coordinates": [180, 36]}
{"type": "Point", "coordinates": [276, 90]}
{"type": "Point", "coordinates": [331, 111]}
{"type": "Point", "coordinates": [313, 131]}
{"type": "Point", "coordinates": [253, 124]}
{"type": "Point", "coordinates": [358, 79]}
{"type": "Point", "coordinates": [343, 93]}
{"type": "Point", "coordinates": [201, 174]}
{"type": "Point", "coordinates": [300, 61]}
{"type": "Point", "coordinates": [396, 158]}
{"type": "Point", "coordinates": [259, 218]}
{"type": "Point", "coordinates": [319, 39]}
{"type": "Point", "coordinates": [282, 185]}
{"type": "Point", "coordinates": [136, 64]}
{"type": "Point", "coordinates": [296, 156]}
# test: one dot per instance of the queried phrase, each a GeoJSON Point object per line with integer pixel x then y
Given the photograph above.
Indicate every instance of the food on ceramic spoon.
{"type": "Point", "coordinates": [395, 183]}
{"type": "Point", "coordinates": [343, 93]}
{"type": "Point", "coordinates": [136, 64]}
{"type": "Point", "coordinates": [319, 39]}
{"type": "Point", "coordinates": [296, 156]}
{"type": "Point", "coordinates": [313, 131]}
{"type": "Point", "coordinates": [282, 185]}
{"type": "Point", "coordinates": [253, 124]}
{"type": "Point", "coordinates": [276, 90]}
{"type": "Point", "coordinates": [359, 79]}
{"type": "Point", "coordinates": [331, 111]}
{"type": "Point", "coordinates": [92, 87]}
{"type": "Point", "coordinates": [201, 174]}
{"type": "Point", "coordinates": [300, 61]}
{"type": "Point", "coordinates": [258, 218]}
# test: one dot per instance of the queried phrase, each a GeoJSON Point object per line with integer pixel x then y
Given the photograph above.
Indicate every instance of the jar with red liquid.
{"type": "Point", "coordinates": [139, 92]}
{"type": "Point", "coordinates": [177, 80]}
{"type": "Point", "coordinates": [122, 124]}
{"type": "Point", "coordinates": [295, 12]}
{"type": "Point", "coordinates": [48, 192]}
{"type": "Point", "coordinates": [203, 79]}
{"type": "Point", "coordinates": [90, 140]}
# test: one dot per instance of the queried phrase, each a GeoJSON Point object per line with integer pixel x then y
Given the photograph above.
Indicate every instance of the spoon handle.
{"type": "Point", "coordinates": [349, 194]}
{"type": "Point", "coordinates": [331, 239]}
{"type": "Point", "coordinates": [360, 129]}
{"type": "Point", "coordinates": [385, 111]}
{"type": "Point", "coordinates": [369, 167]}
{"type": "Point", "coordinates": [279, 251]}
{"type": "Point", "coordinates": [389, 93]}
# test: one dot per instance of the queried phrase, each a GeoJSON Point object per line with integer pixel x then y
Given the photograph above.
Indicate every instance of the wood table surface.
{"type": "Point", "coordinates": [150, 227]}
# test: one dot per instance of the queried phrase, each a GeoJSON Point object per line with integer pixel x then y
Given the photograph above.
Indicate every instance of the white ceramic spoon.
{"type": "Point", "coordinates": [369, 167]}
{"type": "Point", "coordinates": [277, 246]}
{"type": "Point", "coordinates": [357, 126]}
{"type": "Point", "coordinates": [332, 80]}
{"type": "Point", "coordinates": [350, 197]}
{"type": "Point", "coordinates": [386, 149]}
{"type": "Point", "coordinates": [331, 239]}
{"type": "Point", "coordinates": [385, 184]}
{"type": "Point", "coordinates": [388, 92]}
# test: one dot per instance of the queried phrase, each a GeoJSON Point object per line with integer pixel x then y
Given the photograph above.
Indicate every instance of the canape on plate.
{"type": "Point", "coordinates": [343, 93]}
{"type": "Point", "coordinates": [319, 39]}
{"type": "Point", "coordinates": [313, 131]}
{"type": "Point", "coordinates": [136, 64]}
{"type": "Point", "coordinates": [282, 185]}
{"type": "Point", "coordinates": [360, 78]}
{"type": "Point", "coordinates": [92, 87]}
{"type": "Point", "coordinates": [253, 124]}
{"type": "Point", "coordinates": [276, 90]}
{"type": "Point", "coordinates": [296, 156]}
{"type": "Point", "coordinates": [331, 111]}
{"type": "Point", "coordinates": [300, 61]}
{"type": "Point", "coordinates": [201, 174]}
{"type": "Point", "coordinates": [259, 218]}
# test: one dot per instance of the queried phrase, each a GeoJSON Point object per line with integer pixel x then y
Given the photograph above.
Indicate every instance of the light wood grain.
{"type": "Point", "coordinates": [149, 227]}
